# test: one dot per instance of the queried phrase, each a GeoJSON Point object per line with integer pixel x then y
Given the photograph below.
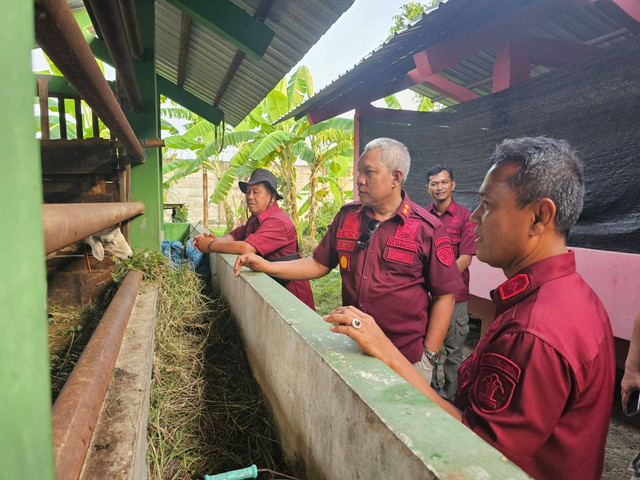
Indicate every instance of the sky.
{"type": "Point", "coordinates": [359, 31]}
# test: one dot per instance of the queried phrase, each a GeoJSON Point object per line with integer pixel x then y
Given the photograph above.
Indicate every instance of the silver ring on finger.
{"type": "Point", "coordinates": [356, 323]}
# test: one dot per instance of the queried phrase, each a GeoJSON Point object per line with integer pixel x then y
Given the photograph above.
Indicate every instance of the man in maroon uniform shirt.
{"type": "Point", "coordinates": [391, 252]}
{"type": "Point", "coordinates": [455, 219]}
{"type": "Point", "coordinates": [268, 232]}
{"type": "Point", "coordinates": [539, 385]}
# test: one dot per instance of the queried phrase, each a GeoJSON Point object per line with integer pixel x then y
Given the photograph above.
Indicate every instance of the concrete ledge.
{"type": "Point", "coordinates": [119, 443]}
{"type": "Point", "coordinates": [340, 413]}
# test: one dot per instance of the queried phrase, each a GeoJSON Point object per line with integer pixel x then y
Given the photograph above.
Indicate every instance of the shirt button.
{"type": "Point", "coordinates": [362, 305]}
{"type": "Point", "coordinates": [365, 277]}
{"type": "Point", "coordinates": [371, 251]}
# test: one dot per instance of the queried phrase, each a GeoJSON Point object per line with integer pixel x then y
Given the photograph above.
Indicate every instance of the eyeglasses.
{"type": "Point", "coordinates": [365, 238]}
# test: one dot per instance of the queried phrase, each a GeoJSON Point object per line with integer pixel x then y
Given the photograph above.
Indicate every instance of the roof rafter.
{"type": "Point", "coordinates": [229, 21]}
{"type": "Point", "coordinates": [188, 100]}
{"type": "Point", "coordinates": [448, 53]}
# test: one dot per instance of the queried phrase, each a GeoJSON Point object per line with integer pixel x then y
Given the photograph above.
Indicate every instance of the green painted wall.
{"type": "Point", "coordinates": [146, 179]}
{"type": "Point", "coordinates": [25, 400]}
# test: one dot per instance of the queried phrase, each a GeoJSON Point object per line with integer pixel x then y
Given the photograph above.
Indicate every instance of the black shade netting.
{"type": "Point", "coordinates": [593, 103]}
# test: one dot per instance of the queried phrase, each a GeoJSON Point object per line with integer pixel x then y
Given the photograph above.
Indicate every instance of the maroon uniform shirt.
{"type": "Point", "coordinates": [407, 256]}
{"type": "Point", "coordinates": [272, 235]}
{"type": "Point", "coordinates": [457, 224]}
{"type": "Point", "coordinates": [539, 385]}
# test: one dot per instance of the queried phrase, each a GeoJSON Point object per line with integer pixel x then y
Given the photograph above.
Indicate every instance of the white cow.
{"type": "Point", "coordinates": [110, 240]}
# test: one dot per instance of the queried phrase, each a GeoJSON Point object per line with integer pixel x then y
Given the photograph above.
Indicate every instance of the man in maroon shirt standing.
{"type": "Point", "coordinates": [268, 232]}
{"type": "Point", "coordinates": [455, 219]}
{"type": "Point", "coordinates": [391, 252]}
{"type": "Point", "coordinates": [539, 385]}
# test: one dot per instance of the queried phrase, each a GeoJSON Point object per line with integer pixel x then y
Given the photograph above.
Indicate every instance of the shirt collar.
{"type": "Point", "coordinates": [450, 209]}
{"type": "Point", "coordinates": [530, 278]}
{"type": "Point", "coordinates": [271, 210]}
{"type": "Point", "coordinates": [404, 210]}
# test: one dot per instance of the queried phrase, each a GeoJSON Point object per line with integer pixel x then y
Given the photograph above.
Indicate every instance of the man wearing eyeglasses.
{"type": "Point", "coordinates": [456, 221]}
{"type": "Point", "coordinates": [391, 253]}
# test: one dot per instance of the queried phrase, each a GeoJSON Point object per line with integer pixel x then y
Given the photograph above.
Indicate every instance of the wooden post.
{"type": "Point", "coordinates": [62, 118]}
{"type": "Point", "coordinates": [205, 198]}
{"type": "Point", "coordinates": [43, 97]}
{"type": "Point", "coordinates": [79, 122]}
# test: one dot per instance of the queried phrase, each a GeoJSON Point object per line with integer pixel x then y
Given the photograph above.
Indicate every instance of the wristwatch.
{"type": "Point", "coordinates": [434, 357]}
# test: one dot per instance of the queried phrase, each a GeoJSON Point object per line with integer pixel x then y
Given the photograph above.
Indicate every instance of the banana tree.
{"type": "Point", "coordinates": [280, 145]}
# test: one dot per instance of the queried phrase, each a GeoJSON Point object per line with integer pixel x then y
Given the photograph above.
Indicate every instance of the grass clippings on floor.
{"type": "Point", "coordinates": [207, 415]}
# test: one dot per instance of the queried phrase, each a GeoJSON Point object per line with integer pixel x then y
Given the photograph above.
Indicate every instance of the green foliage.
{"type": "Point", "coordinates": [327, 292]}
{"type": "Point", "coordinates": [409, 12]}
{"type": "Point", "coordinates": [180, 215]}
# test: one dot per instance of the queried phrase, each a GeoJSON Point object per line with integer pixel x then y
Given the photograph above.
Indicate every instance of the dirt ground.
{"type": "Point", "coordinates": [623, 441]}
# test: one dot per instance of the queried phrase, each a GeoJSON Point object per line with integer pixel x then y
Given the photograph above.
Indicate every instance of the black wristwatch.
{"type": "Point", "coordinates": [434, 357]}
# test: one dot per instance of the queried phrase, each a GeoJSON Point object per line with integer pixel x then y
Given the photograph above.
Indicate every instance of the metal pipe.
{"type": "Point", "coordinates": [65, 223]}
{"type": "Point", "coordinates": [76, 409]}
{"type": "Point", "coordinates": [107, 14]}
{"type": "Point", "coordinates": [132, 27]}
{"type": "Point", "coordinates": [60, 37]}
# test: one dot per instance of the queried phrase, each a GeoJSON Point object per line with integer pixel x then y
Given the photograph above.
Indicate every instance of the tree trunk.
{"type": "Point", "coordinates": [313, 204]}
{"type": "Point", "coordinates": [205, 198]}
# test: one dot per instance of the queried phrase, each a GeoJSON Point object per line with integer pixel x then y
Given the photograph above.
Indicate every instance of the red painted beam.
{"type": "Point", "coordinates": [443, 55]}
{"type": "Point", "coordinates": [444, 86]}
{"type": "Point", "coordinates": [510, 68]}
{"type": "Point", "coordinates": [551, 53]}
{"type": "Point", "coordinates": [630, 7]}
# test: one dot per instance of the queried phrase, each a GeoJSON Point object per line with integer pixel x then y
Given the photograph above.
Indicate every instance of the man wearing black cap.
{"type": "Point", "coordinates": [268, 232]}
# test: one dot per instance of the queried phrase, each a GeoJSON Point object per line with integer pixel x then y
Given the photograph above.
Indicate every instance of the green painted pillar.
{"type": "Point", "coordinates": [26, 449]}
{"type": "Point", "coordinates": [146, 179]}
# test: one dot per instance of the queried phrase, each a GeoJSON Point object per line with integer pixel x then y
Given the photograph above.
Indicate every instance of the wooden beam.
{"type": "Point", "coordinates": [188, 100]}
{"type": "Point", "coordinates": [185, 34]}
{"type": "Point", "coordinates": [94, 156]}
{"type": "Point", "coordinates": [510, 68]}
{"type": "Point", "coordinates": [443, 85]}
{"type": "Point", "coordinates": [630, 7]}
{"type": "Point", "coordinates": [231, 22]}
{"type": "Point", "coordinates": [261, 13]}
{"type": "Point", "coordinates": [445, 54]}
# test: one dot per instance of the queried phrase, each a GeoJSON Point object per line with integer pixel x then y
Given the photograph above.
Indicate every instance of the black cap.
{"type": "Point", "coordinates": [260, 175]}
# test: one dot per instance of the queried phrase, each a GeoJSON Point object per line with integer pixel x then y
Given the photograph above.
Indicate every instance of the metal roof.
{"type": "Point", "coordinates": [597, 24]}
{"type": "Point", "coordinates": [297, 24]}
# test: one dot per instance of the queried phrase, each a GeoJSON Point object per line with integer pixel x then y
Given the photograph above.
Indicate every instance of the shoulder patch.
{"type": "Point", "coordinates": [496, 381]}
{"type": "Point", "coordinates": [514, 286]}
{"type": "Point", "coordinates": [444, 251]}
{"type": "Point", "coordinates": [469, 228]}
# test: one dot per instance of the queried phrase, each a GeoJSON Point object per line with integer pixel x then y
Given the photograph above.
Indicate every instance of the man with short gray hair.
{"type": "Point", "coordinates": [539, 385]}
{"type": "Point", "coordinates": [391, 253]}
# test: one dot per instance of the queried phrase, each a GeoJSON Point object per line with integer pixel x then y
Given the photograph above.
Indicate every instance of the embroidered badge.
{"type": "Point", "coordinates": [344, 233]}
{"type": "Point", "coordinates": [400, 243]}
{"type": "Point", "coordinates": [405, 208]}
{"type": "Point", "coordinates": [469, 228]}
{"type": "Point", "coordinates": [455, 220]}
{"type": "Point", "coordinates": [497, 380]}
{"type": "Point", "coordinates": [400, 256]}
{"type": "Point", "coordinates": [352, 221]}
{"type": "Point", "coordinates": [407, 231]}
{"type": "Point", "coordinates": [346, 245]}
{"type": "Point", "coordinates": [345, 262]}
{"type": "Point", "coordinates": [444, 251]}
{"type": "Point", "coordinates": [514, 286]}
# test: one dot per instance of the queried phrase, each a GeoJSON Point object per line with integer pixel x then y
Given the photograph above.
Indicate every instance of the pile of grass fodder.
{"type": "Point", "coordinates": [70, 329]}
{"type": "Point", "coordinates": [206, 414]}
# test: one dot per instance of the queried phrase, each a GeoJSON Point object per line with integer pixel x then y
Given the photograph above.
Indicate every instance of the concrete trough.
{"type": "Point", "coordinates": [341, 414]}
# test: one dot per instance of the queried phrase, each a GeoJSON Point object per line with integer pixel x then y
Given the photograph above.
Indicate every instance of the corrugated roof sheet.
{"type": "Point", "coordinates": [594, 24]}
{"type": "Point", "coordinates": [297, 26]}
